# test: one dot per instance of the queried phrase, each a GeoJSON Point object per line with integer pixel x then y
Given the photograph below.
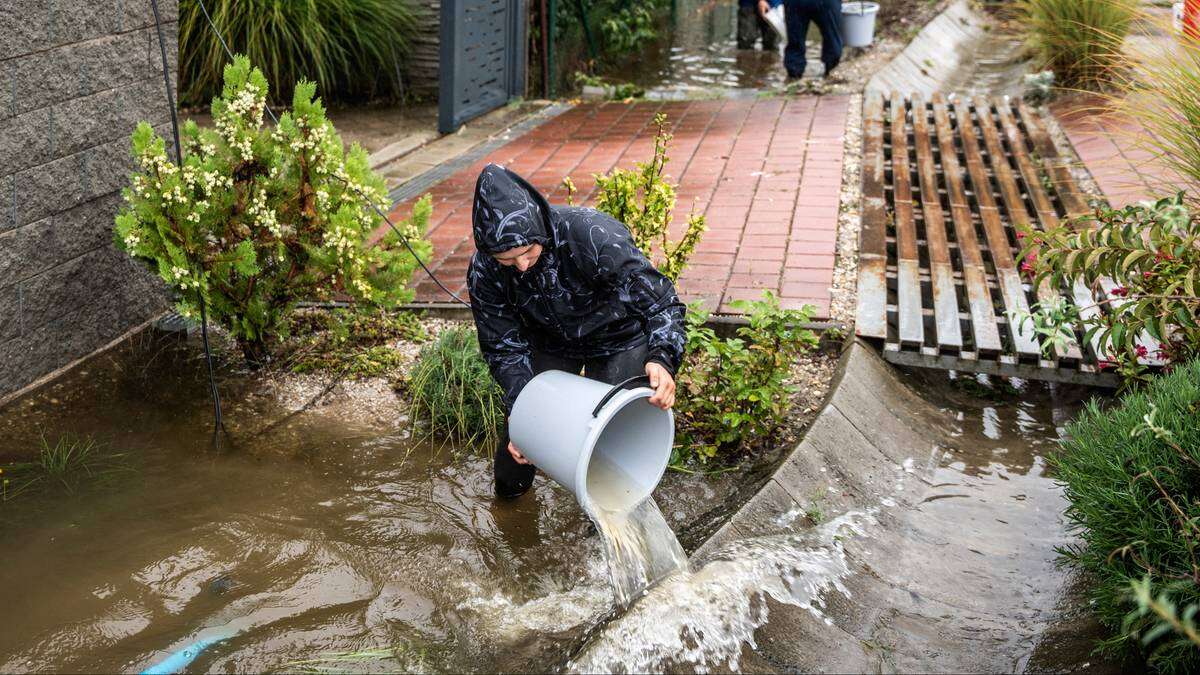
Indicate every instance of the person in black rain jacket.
{"type": "Point", "coordinates": [564, 288]}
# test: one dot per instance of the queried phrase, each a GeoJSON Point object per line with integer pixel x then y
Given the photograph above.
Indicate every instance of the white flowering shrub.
{"type": "Point", "coordinates": [256, 219]}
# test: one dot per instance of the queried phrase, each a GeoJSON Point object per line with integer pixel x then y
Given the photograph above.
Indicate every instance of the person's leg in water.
{"type": "Point", "coordinates": [796, 14]}
{"type": "Point", "coordinates": [770, 39]}
{"type": "Point", "coordinates": [513, 479]}
{"type": "Point", "coordinates": [747, 26]}
{"type": "Point", "coordinates": [829, 22]}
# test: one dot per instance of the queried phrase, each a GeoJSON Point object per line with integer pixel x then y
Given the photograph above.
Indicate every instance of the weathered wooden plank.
{"type": "Point", "coordinates": [979, 297]}
{"type": "Point", "coordinates": [871, 319]}
{"type": "Point", "coordinates": [1010, 194]}
{"type": "Point", "coordinates": [908, 263]}
{"type": "Point", "coordinates": [1002, 255]}
{"type": "Point", "coordinates": [945, 301]}
{"type": "Point", "coordinates": [1069, 194]}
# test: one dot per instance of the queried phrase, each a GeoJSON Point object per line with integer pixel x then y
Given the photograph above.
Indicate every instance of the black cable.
{"type": "Point", "coordinates": [392, 225]}
{"type": "Point", "coordinates": [212, 382]}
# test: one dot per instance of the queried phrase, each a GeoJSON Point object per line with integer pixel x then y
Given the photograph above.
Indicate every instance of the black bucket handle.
{"type": "Point", "coordinates": [617, 388]}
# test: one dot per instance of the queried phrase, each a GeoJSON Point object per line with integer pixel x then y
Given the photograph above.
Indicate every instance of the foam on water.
{"type": "Point", "coordinates": [703, 618]}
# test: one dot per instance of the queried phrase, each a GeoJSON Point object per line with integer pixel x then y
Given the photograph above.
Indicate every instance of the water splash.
{"type": "Point", "coordinates": [703, 618]}
{"type": "Point", "coordinates": [640, 548]}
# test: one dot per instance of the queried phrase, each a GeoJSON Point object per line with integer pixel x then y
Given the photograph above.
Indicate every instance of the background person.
{"type": "Point", "coordinates": [751, 25]}
{"type": "Point", "coordinates": [564, 288]}
{"type": "Point", "coordinates": [797, 14]}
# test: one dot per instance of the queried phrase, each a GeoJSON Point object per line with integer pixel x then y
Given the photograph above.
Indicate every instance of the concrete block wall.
{"type": "Point", "coordinates": [76, 76]}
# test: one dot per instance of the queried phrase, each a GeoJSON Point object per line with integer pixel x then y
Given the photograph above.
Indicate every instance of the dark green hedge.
{"type": "Point", "coordinates": [1132, 475]}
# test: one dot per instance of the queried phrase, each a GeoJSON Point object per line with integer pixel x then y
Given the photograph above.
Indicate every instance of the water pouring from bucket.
{"type": "Point", "coordinates": [609, 446]}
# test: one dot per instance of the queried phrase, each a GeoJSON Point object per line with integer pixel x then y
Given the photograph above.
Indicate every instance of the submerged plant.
{"type": "Point", "coordinates": [1131, 474]}
{"type": "Point", "coordinates": [256, 219]}
{"type": "Point", "coordinates": [68, 462]}
{"type": "Point", "coordinates": [453, 394]}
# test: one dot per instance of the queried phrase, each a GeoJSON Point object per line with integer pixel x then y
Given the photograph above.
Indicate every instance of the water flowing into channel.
{"type": "Point", "coordinates": [640, 548]}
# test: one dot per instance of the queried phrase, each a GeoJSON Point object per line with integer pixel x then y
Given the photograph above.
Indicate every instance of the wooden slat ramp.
{"type": "Point", "coordinates": [946, 182]}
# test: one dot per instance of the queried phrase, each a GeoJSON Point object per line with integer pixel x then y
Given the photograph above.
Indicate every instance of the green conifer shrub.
{"type": "Point", "coordinates": [256, 219]}
{"type": "Point", "coordinates": [1131, 473]}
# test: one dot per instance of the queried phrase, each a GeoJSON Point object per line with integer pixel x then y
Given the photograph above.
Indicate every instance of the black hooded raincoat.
{"type": "Point", "coordinates": [591, 294]}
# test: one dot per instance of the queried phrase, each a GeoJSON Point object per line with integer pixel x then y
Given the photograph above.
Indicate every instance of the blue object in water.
{"type": "Point", "coordinates": [181, 659]}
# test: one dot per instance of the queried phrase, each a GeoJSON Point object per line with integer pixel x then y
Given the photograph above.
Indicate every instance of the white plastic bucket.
{"type": "Point", "coordinates": [607, 445]}
{"type": "Point", "coordinates": [774, 18]}
{"type": "Point", "coordinates": [858, 23]}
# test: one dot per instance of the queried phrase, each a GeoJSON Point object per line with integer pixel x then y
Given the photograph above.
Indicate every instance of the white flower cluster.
{"type": "Point", "coordinates": [182, 278]}
{"type": "Point", "coordinates": [264, 216]}
{"type": "Point", "coordinates": [132, 239]}
{"type": "Point", "coordinates": [248, 104]}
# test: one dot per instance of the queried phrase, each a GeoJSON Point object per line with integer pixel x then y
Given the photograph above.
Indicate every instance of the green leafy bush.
{"type": "Point", "coordinates": [353, 49]}
{"type": "Point", "coordinates": [644, 199]}
{"type": "Point", "coordinates": [734, 390]}
{"type": "Point", "coordinates": [1132, 477]}
{"type": "Point", "coordinates": [1080, 40]}
{"type": "Point", "coordinates": [1151, 252]}
{"type": "Point", "coordinates": [257, 219]}
{"type": "Point", "coordinates": [453, 395]}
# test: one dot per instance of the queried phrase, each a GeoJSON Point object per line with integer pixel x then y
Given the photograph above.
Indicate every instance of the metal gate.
{"type": "Point", "coordinates": [482, 58]}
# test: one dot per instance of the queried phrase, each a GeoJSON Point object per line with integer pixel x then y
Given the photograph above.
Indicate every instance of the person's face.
{"type": "Point", "coordinates": [521, 258]}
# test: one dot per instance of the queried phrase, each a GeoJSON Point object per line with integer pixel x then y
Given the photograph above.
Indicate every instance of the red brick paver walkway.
{"type": "Point", "coordinates": [1108, 145]}
{"type": "Point", "coordinates": [766, 173]}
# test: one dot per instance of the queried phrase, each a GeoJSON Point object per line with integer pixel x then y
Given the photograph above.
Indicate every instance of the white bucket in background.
{"type": "Point", "coordinates": [1178, 17]}
{"type": "Point", "coordinates": [613, 459]}
{"type": "Point", "coordinates": [858, 23]}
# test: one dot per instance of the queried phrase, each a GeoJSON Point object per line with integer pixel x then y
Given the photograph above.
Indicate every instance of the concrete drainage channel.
{"type": "Point", "coordinates": [907, 532]}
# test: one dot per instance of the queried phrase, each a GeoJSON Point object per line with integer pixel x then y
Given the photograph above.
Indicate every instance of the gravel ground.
{"type": "Point", "coordinates": [845, 272]}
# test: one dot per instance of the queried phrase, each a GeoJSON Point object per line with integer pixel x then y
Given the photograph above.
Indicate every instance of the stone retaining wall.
{"type": "Point", "coordinates": [76, 76]}
{"type": "Point", "coordinates": [933, 55]}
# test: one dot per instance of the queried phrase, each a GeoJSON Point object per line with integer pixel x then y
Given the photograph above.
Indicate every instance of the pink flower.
{"type": "Point", "coordinates": [1119, 291]}
{"type": "Point", "coordinates": [1147, 275]}
{"type": "Point", "coordinates": [1026, 267]}
{"type": "Point", "coordinates": [1141, 351]}
{"type": "Point", "coordinates": [1020, 235]}
{"type": "Point", "coordinates": [1104, 365]}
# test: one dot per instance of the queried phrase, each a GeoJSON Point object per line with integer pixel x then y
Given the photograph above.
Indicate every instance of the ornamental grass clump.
{"type": "Point", "coordinates": [1131, 474]}
{"type": "Point", "coordinates": [352, 49]}
{"type": "Point", "coordinates": [454, 398]}
{"type": "Point", "coordinates": [256, 219]}
{"type": "Point", "coordinates": [1080, 40]}
{"type": "Point", "coordinates": [1162, 92]}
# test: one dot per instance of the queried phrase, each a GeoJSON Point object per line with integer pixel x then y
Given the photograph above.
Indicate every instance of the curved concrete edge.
{"type": "Point", "coordinates": [933, 55]}
{"type": "Point", "coordinates": [870, 424]}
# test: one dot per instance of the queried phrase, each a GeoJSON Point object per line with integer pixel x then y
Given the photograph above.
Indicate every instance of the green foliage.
{"type": "Point", "coordinates": [67, 463]}
{"type": "Point", "coordinates": [734, 391]}
{"type": "Point", "coordinates": [1163, 95]}
{"type": "Point", "coordinates": [1132, 476]}
{"type": "Point", "coordinates": [453, 395]}
{"type": "Point", "coordinates": [351, 48]}
{"type": "Point", "coordinates": [644, 199]}
{"type": "Point", "coordinates": [350, 342]}
{"type": "Point", "coordinates": [1163, 610]}
{"type": "Point", "coordinates": [257, 219]}
{"type": "Point", "coordinates": [1080, 40]}
{"type": "Point", "coordinates": [628, 29]}
{"type": "Point", "coordinates": [1152, 253]}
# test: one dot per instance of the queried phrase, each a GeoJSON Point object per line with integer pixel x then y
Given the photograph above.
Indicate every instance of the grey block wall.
{"type": "Point", "coordinates": [76, 76]}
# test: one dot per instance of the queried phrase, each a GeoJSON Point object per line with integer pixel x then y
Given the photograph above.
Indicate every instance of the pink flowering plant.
{"type": "Point", "coordinates": [1147, 256]}
{"type": "Point", "coordinates": [258, 218]}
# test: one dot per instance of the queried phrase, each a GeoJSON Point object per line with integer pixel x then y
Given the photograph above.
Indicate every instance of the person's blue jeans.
{"type": "Point", "coordinates": [827, 15]}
